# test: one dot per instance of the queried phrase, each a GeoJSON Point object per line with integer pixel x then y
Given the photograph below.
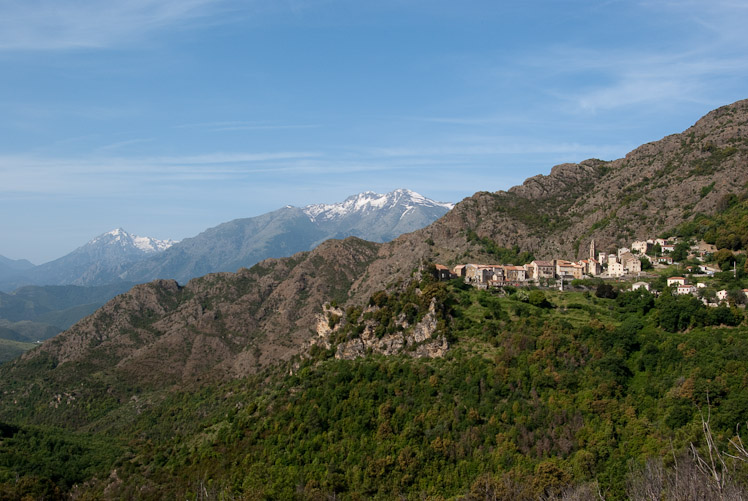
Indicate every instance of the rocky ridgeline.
{"type": "Point", "coordinates": [653, 189]}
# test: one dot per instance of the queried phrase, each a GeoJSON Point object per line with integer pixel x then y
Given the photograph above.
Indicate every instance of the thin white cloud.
{"type": "Point", "coordinates": [702, 59]}
{"type": "Point", "coordinates": [96, 176]}
{"type": "Point", "coordinates": [55, 25]}
{"type": "Point", "coordinates": [612, 79]}
{"type": "Point", "coordinates": [228, 126]}
{"type": "Point", "coordinates": [122, 144]}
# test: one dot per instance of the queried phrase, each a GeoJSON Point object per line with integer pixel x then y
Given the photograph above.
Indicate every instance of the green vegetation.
{"type": "Point", "coordinates": [540, 391]}
{"type": "Point", "coordinates": [45, 463]}
{"type": "Point", "coordinates": [502, 254]}
{"type": "Point", "coordinates": [11, 349]}
{"type": "Point", "coordinates": [728, 229]}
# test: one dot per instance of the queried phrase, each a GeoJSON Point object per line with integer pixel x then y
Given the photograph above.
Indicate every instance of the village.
{"type": "Point", "coordinates": [625, 264]}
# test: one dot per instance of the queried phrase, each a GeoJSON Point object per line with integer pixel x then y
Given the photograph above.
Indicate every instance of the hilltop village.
{"type": "Point", "coordinates": [626, 263]}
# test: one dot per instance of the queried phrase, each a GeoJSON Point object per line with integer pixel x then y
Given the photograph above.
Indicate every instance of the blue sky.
{"type": "Point", "coordinates": [168, 117]}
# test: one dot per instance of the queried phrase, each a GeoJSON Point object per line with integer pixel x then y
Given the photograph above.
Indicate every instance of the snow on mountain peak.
{"type": "Point", "coordinates": [147, 245]}
{"type": "Point", "coordinates": [369, 201]}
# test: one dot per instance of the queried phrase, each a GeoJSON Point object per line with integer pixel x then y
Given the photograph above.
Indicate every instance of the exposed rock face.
{"type": "Point", "coordinates": [392, 344]}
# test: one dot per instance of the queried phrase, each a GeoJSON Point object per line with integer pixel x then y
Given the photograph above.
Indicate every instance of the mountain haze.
{"type": "Point", "coordinates": [118, 256]}
{"type": "Point", "coordinates": [10, 267]}
{"type": "Point", "coordinates": [284, 232]}
{"type": "Point", "coordinates": [98, 262]}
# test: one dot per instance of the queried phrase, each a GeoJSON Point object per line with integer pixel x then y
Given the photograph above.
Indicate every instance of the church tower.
{"type": "Point", "coordinates": [592, 249]}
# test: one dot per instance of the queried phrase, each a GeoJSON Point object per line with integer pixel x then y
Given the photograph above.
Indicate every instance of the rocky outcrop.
{"type": "Point", "coordinates": [409, 340]}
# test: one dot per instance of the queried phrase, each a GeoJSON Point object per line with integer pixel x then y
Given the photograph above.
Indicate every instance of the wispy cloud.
{"type": "Point", "coordinates": [122, 144]}
{"type": "Point", "coordinates": [227, 126]}
{"type": "Point", "coordinates": [100, 175]}
{"type": "Point", "coordinates": [55, 25]}
{"type": "Point", "coordinates": [702, 58]}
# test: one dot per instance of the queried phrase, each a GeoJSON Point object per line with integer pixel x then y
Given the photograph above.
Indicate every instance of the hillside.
{"type": "Point", "coordinates": [653, 189]}
{"type": "Point", "coordinates": [347, 371]}
{"type": "Point", "coordinates": [119, 259]}
{"type": "Point", "coordinates": [10, 267]}
{"type": "Point", "coordinates": [234, 324]}
{"type": "Point", "coordinates": [215, 327]}
{"type": "Point", "coordinates": [535, 397]}
{"type": "Point", "coordinates": [35, 313]}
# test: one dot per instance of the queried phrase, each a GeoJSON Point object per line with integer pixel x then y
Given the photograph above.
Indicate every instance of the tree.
{"type": "Point", "coordinates": [680, 251]}
{"type": "Point", "coordinates": [537, 298]}
{"type": "Point", "coordinates": [724, 258]}
{"type": "Point", "coordinates": [736, 296]}
{"type": "Point", "coordinates": [606, 291]}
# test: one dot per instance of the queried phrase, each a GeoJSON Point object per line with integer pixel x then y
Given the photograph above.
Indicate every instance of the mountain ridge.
{"type": "Point", "coordinates": [518, 216]}
{"type": "Point", "coordinates": [97, 262]}
{"type": "Point", "coordinates": [286, 231]}
{"type": "Point", "coordinates": [118, 256]}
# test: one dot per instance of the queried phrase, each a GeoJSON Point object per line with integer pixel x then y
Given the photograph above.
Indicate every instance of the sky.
{"type": "Point", "coordinates": [167, 117]}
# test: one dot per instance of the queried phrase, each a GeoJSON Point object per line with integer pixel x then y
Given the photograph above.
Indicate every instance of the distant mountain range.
{"type": "Point", "coordinates": [98, 262]}
{"type": "Point", "coordinates": [119, 256]}
{"type": "Point", "coordinates": [10, 267]}
{"type": "Point", "coordinates": [284, 232]}
{"type": "Point", "coordinates": [53, 296]}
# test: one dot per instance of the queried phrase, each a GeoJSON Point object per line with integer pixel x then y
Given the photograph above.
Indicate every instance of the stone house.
{"type": "Point", "coordinates": [591, 267]}
{"type": "Point", "coordinates": [642, 246]}
{"type": "Point", "coordinates": [567, 269]}
{"type": "Point", "coordinates": [676, 281]}
{"type": "Point", "coordinates": [685, 289]}
{"type": "Point", "coordinates": [538, 270]}
{"type": "Point", "coordinates": [444, 273]}
{"type": "Point", "coordinates": [514, 273]}
{"type": "Point", "coordinates": [483, 274]}
{"type": "Point", "coordinates": [616, 268]}
{"type": "Point", "coordinates": [631, 263]}
{"type": "Point", "coordinates": [640, 285]}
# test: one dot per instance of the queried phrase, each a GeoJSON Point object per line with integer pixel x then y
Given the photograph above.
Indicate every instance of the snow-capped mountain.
{"type": "Point", "coordinates": [131, 243]}
{"type": "Point", "coordinates": [369, 202]}
{"type": "Point", "coordinates": [100, 261]}
{"type": "Point", "coordinates": [120, 256]}
{"type": "Point", "coordinates": [244, 242]}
